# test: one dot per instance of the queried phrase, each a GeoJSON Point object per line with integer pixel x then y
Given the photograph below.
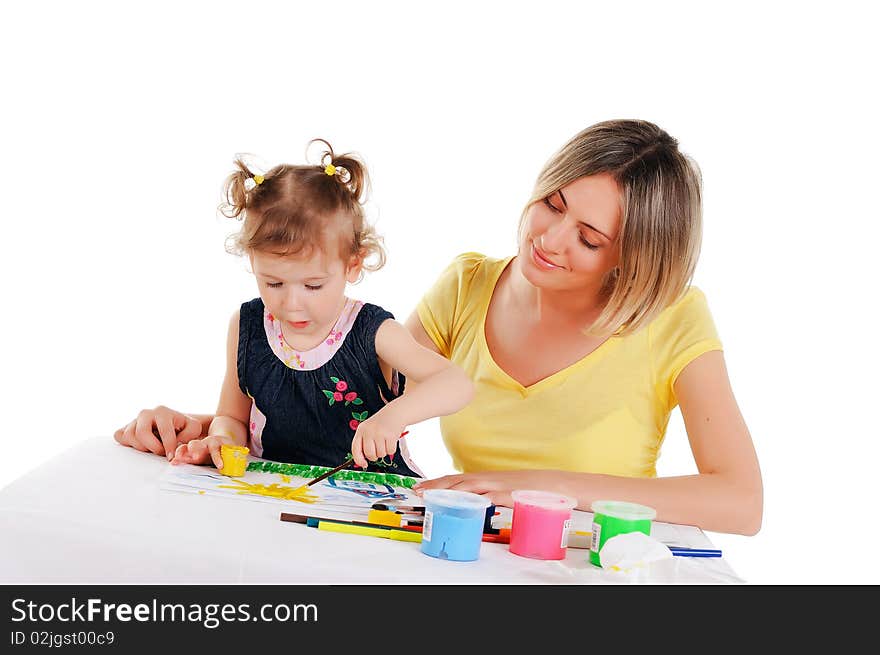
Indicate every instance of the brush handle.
{"type": "Point", "coordinates": [347, 461]}
{"type": "Point", "coordinates": [326, 475]}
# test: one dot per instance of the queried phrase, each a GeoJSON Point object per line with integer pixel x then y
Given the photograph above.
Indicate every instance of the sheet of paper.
{"type": "Point", "coordinates": [330, 498]}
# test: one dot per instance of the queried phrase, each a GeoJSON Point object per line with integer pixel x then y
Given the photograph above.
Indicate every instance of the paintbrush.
{"type": "Point", "coordinates": [326, 475]}
{"type": "Point", "coordinates": [347, 461]}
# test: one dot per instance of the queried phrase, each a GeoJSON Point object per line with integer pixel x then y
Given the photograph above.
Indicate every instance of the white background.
{"type": "Point", "coordinates": [119, 125]}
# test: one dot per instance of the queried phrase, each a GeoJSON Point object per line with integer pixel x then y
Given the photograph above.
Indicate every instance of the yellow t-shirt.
{"type": "Point", "coordinates": [606, 413]}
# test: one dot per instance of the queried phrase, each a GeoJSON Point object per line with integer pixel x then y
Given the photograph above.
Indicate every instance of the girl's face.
{"type": "Point", "coordinates": [306, 292]}
{"type": "Point", "coordinates": [568, 241]}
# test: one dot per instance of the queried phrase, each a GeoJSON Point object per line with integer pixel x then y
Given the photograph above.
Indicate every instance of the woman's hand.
{"type": "Point", "coordinates": [200, 451]}
{"type": "Point", "coordinates": [495, 485]}
{"type": "Point", "coordinates": [376, 437]}
{"type": "Point", "coordinates": [159, 430]}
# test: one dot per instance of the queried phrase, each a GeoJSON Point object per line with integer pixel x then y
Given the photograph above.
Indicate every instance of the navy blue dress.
{"type": "Point", "coordinates": [311, 415]}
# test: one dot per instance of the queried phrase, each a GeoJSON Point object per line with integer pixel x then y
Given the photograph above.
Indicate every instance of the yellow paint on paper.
{"type": "Point", "coordinates": [273, 490]}
{"type": "Point", "coordinates": [285, 478]}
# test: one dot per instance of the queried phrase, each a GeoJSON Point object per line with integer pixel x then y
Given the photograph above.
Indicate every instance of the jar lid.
{"type": "Point", "coordinates": [621, 509]}
{"type": "Point", "coordinates": [543, 499]}
{"type": "Point", "coordinates": [455, 499]}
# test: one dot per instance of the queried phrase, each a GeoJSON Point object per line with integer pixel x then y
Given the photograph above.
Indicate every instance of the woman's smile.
{"type": "Point", "coordinates": [542, 261]}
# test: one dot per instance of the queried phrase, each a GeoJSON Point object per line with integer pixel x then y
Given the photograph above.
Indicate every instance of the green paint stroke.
{"type": "Point", "coordinates": [306, 471]}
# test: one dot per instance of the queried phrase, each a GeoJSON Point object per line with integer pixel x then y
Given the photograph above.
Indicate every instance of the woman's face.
{"type": "Point", "coordinates": [568, 240]}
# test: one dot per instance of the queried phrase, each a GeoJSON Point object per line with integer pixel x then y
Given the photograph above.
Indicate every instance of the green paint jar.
{"type": "Point", "coordinates": [613, 517]}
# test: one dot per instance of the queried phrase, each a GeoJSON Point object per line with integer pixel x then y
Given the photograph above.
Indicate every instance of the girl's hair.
{"type": "Point", "coordinates": [291, 209]}
{"type": "Point", "coordinates": [661, 210]}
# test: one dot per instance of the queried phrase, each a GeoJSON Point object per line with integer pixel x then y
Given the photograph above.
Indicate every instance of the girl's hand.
{"type": "Point", "coordinates": [200, 451]}
{"type": "Point", "coordinates": [375, 438]}
{"type": "Point", "coordinates": [495, 485]}
{"type": "Point", "coordinates": [159, 430]}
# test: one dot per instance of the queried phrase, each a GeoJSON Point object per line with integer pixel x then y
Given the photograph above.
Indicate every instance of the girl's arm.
{"type": "Point", "coordinates": [726, 495]}
{"type": "Point", "coordinates": [229, 425]}
{"type": "Point", "coordinates": [441, 388]}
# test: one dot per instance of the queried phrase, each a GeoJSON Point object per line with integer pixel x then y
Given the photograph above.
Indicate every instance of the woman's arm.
{"type": "Point", "coordinates": [161, 429]}
{"type": "Point", "coordinates": [725, 496]}
{"type": "Point", "coordinates": [440, 388]}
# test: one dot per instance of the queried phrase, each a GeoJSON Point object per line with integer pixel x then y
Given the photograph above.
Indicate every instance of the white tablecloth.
{"type": "Point", "coordinates": [95, 515]}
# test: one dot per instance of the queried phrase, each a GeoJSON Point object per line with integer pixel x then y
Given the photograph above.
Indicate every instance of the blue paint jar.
{"type": "Point", "coordinates": [453, 527]}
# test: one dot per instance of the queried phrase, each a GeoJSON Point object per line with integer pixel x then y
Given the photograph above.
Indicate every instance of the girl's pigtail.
{"type": "Point", "coordinates": [347, 170]}
{"type": "Point", "coordinates": [235, 190]}
{"type": "Point", "coordinates": [353, 175]}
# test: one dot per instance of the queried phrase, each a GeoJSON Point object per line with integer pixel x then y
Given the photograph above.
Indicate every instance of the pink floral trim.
{"type": "Point", "coordinates": [308, 360]}
{"type": "Point", "coordinates": [256, 424]}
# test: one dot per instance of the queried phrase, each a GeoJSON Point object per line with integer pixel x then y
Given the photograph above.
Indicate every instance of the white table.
{"type": "Point", "coordinates": [95, 515]}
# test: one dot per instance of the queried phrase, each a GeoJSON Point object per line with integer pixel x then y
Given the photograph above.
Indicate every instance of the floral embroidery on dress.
{"type": "Point", "coordinates": [338, 395]}
{"type": "Point", "coordinates": [357, 419]}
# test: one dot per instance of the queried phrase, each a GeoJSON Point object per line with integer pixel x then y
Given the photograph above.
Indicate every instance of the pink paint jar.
{"type": "Point", "coordinates": [541, 521]}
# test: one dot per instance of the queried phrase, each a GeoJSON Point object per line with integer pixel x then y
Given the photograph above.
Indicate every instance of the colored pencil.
{"type": "Point", "coordinates": [384, 533]}
{"type": "Point", "coordinates": [680, 551]}
{"type": "Point", "coordinates": [406, 509]}
{"type": "Point", "coordinates": [315, 521]}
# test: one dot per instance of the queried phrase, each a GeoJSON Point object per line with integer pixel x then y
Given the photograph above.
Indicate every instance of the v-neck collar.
{"type": "Point", "coordinates": [551, 380]}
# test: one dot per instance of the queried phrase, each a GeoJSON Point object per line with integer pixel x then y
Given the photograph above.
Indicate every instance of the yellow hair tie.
{"type": "Point", "coordinates": [259, 179]}
{"type": "Point", "coordinates": [330, 169]}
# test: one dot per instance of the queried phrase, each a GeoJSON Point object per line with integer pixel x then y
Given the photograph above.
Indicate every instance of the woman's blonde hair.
{"type": "Point", "coordinates": [661, 215]}
{"type": "Point", "coordinates": [290, 208]}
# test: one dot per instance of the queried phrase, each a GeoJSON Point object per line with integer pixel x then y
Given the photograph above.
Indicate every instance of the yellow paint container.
{"type": "Point", "coordinates": [234, 460]}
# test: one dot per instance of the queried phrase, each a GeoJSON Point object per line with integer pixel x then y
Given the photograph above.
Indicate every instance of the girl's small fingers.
{"type": "Point", "coordinates": [391, 447]}
{"type": "Point", "coordinates": [195, 450]}
{"type": "Point", "coordinates": [214, 449]}
{"type": "Point", "coordinates": [357, 455]}
{"type": "Point", "coordinates": [180, 455]}
{"type": "Point", "coordinates": [370, 451]}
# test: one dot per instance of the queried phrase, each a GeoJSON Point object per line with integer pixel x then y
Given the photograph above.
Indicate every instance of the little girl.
{"type": "Point", "coordinates": [312, 375]}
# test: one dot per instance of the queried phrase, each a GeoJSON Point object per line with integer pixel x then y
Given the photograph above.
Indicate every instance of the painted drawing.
{"type": "Point", "coordinates": [342, 493]}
